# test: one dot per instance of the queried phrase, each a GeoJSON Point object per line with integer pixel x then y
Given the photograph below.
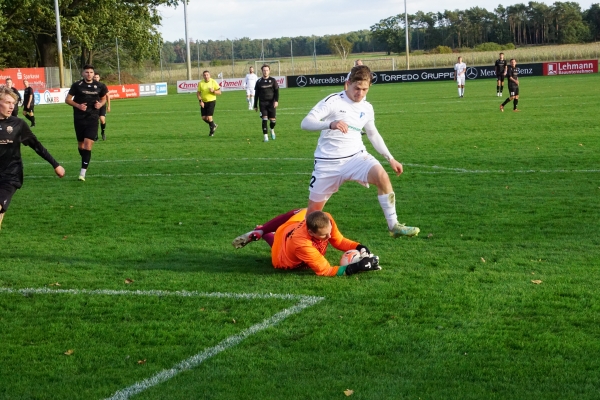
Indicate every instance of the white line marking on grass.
{"type": "Point", "coordinates": [183, 174]}
{"type": "Point", "coordinates": [192, 362]}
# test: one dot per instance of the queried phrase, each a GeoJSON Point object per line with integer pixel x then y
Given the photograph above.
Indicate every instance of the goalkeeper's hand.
{"type": "Point", "coordinates": [363, 265]}
{"type": "Point", "coordinates": [364, 251]}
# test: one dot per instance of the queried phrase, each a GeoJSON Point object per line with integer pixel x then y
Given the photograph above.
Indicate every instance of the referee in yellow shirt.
{"type": "Point", "coordinates": [208, 89]}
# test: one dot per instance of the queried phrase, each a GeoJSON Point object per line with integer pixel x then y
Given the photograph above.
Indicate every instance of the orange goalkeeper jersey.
{"type": "Point", "coordinates": [293, 247]}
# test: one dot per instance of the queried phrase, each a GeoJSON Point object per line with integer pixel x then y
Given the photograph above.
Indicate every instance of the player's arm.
{"type": "Point", "coordinates": [69, 100]}
{"type": "Point", "coordinates": [30, 140]}
{"type": "Point", "coordinates": [275, 93]}
{"type": "Point", "coordinates": [216, 89]}
{"type": "Point", "coordinates": [108, 102]}
{"type": "Point", "coordinates": [256, 94]}
{"type": "Point", "coordinates": [379, 145]}
{"type": "Point", "coordinates": [316, 120]}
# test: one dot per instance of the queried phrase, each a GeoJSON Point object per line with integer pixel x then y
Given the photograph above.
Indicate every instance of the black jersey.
{"type": "Point", "coordinates": [512, 73]}
{"type": "Point", "coordinates": [500, 66]}
{"type": "Point", "coordinates": [267, 90]}
{"type": "Point", "coordinates": [28, 94]}
{"type": "Point", "coordinates": [14, 132]}
{"type": "Point", "coordinates": [88, 94]}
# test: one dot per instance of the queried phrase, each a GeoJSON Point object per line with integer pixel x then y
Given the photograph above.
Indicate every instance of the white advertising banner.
{"type": "Point", "coordinates": [227, 84]}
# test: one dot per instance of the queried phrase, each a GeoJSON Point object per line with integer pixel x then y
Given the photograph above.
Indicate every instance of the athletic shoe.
{"type": "Point", "coordinates": [266, 138]}
{"type": "Point", "coordinates": [81, 178]}
{"type": "Point", "coordinates": [103, 136]}
{"type": "Point", "coordinates": [273, 134]}
{"type": "Point", "coordinates": [246, 238]}
{"type": "Point", "coordinates": [216, 126]}
{"type": "Point", "coordinates": [501, 108]}
{"type": "Point", "coordinates": [516, 110]}
{"type": "Point", "coordinates": [403, 230]}
{"type": "Point", "coordinates": [32, 125]}
{"type": "Point", "coordinates": [211, 134]}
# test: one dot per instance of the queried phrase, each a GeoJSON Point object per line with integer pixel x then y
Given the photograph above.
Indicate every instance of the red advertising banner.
{"type": "Point", "coordinates": [571, 67]}
{"type": "Point", "coordinates": [35, 76]}
{"type": "Point", "coordinates": [124, 91]}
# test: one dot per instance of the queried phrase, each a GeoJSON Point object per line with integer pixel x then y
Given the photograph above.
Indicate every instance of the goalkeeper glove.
{"type": "Point", "coordinates": [363, 265]}
{"type": "Point", "coordinates": [364, 250]}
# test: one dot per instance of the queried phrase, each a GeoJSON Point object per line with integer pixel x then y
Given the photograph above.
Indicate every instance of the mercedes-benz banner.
{"type": "Point", "coordinates": [413, 75]}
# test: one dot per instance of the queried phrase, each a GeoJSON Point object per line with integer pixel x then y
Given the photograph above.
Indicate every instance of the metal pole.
{"type": "Point", "coordinates": [61, 75]}
{"type": "Point", "coordinates": [406, 32]}
{"type": "Point", "coordinates": [70, 58]}
{"type": "Point", "coordinates": [187, 42]}
{"type": "Point", "coordinates": [292, 54]}
{"type": "Point", "coordinates": [118, 61]}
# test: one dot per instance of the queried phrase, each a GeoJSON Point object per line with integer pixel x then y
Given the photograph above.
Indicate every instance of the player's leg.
{"type": "Point", "coordinates": [103, 126]}
{"type": "Point", "coordinates": [264, 117]}
{"type": "Point", "coordinates": [6, 192]}
{"type": "Point", "coordinates": [210, 110]}
{"type": "Point", "coordinates": [516, 100]}
{"type": "Point", "coordinates": [272, 120]}
{"type": "Point", "coordinates": [387, 200]}
{"type": "Point", "coordinates": [265, 231]}
{"type": "Point", "coordinates": [325, 181]}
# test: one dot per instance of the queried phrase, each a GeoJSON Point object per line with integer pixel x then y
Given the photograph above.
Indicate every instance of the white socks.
{"type": "Point", "coordinates": [388, 205]}
{"type": "Point", "coordinates": [82, 173]}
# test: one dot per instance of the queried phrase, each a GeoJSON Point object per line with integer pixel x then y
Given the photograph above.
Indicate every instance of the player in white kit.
{"type": "Point", "coordinates": [341, 155]}
{"type": "Point", "coordinates": [460, 70]}
{"type": "Point", "coordinates": [249, 84]}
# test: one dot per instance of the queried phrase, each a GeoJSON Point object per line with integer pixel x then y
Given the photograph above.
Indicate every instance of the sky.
{"type": "Point", "coordinates": [264, 19]}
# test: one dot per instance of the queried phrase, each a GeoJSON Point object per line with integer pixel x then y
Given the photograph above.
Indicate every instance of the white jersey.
{"type": "Point", "coordinates": [338, 107]}
{"type": "Point", "coordinates": [460, 69]}
{"type": "Point", "coordinates": [250, 81]}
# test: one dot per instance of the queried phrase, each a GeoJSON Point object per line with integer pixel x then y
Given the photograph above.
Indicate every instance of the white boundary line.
{"type": "Point", "coordinates": [194, 361]}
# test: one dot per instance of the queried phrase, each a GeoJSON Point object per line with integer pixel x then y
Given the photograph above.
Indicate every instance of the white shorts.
{"type": "Point", "coordinates": [328, 175]}
{"type": "Point", "coordinates": [460, 80]}
{"type": "Point", "coordinates": [249, 92]}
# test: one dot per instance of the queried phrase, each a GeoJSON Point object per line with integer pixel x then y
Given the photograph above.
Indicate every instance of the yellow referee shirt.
{"type": "Point", "coordinates": [204, 89]}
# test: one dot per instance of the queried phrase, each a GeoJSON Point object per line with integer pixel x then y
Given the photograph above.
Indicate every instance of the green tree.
{"type": "Point", "coordinates": [388, 32]}
{"type": "Point", "coordinates": [340, 46]}
{"type": "Point", "coordinates": [592, 17]}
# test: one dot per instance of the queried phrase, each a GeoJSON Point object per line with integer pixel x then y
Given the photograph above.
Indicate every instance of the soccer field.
{"type": "Point", "coordinates": [127, 285]}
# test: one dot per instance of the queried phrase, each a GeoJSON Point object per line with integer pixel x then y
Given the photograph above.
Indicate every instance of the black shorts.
{"type": "Point", "coordinates": [6, 193]}
{"type": "Point", "coordinates": [513, 90]}
{"type": "Point", "coordinates": [28, 109]}
{"type": "Point", "coordinates": [103, 111]}
{"type": "Point", "coordinates": [86, 129]}
{"type": "Point", "coordinates": [209, 108]}
{"type": "Point", "coordinates": [267, 109]}
{"type": "Point", "coordinates": [500, 77]}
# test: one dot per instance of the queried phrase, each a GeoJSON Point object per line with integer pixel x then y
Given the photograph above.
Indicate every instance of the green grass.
{"type": "Point", "coordinates": [501, 199]}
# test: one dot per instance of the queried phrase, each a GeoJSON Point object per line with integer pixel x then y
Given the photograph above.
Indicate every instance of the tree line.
{"type": "Point", "coordinates": [92, 30]}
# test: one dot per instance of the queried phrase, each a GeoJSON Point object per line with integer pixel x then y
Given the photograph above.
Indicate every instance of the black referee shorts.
{"type": "Point", "coordinates": [209, 108]}
{"type": "Point", "coordinates": [6, 193]}
{"type": "Point", "coordinates": [267, 109]}
{"type": "Point", "coordinates": [86, 128]}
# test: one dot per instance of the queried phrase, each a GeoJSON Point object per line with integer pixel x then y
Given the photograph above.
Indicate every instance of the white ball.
{"type": "Point", "coordinates": [349, 257]}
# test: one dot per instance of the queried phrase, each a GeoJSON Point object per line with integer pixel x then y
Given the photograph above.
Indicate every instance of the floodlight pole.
{"type": "Point", "coordinates": [187, 42]}
{"type": "Point", "coordinates": [61, 75]}
{"type": "Point", "coordinates": [406, 34]}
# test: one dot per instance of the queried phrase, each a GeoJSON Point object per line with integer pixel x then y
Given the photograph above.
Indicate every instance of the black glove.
{"type": "Point", "coordinates": [364, 264]}
{"type": "Point", "coordinates": [364, 250]}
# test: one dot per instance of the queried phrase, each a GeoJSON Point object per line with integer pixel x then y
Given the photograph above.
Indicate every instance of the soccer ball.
{"type": "Point", "coordinates": [349, 257]}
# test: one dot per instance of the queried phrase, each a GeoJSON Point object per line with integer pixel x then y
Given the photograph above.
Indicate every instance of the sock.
{"type": "Point", "coordinates": [207, 121]}
{"type": "Point", "coordinates": [462, 91]}
{"type": "Point", "coordinates": [459, 91]}
{"type": "Point", "coordinates": [497, 88]}
{"type": "Point", "coordinates": [269, 238]}
{"type": "Point", "coordinates": [28, 117]}
{"type": "Point", "coordinates": [212, 124]}
{"type": "Point", "coordinates": [388, 205]}
{"type": "Point", "coordinates": [515, 102]}
{"type": "Point", "coordinates": [103, 127]}
{"type": "Point", "coordinates": [82, 172]}
{"type": "Point", "coordinates": [80, 152]}
{"type": "Point", "coordinates": [32, 120]}
{"type": "Point", "coordinates": [272, 124]}
{"type": "Point", "coordinates": [86, 156]}
{"type": "Point", "coordinates": [251, 101]}
{"type": "Point", "coordinates": [505, 102]}
{"type": "Point", "coordinates": [264, 126]}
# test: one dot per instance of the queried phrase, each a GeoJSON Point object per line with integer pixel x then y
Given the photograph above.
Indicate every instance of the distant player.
{"type": "Point", "coordinates": [267, 94]}
{"type": "Point", "coordinates": [14, 132]}
{"type": "Point", "coordinates": [9, 84]}
{"type": "Point", "coordinates": [208, 89]}
{"type": "Point", "coordinates": [298, 240]}
{"type": "Point", "coordinates": [357, 62]}
{"type": "Point", "coordinates": [105, 108]}
{"type": "Point", "coordinates": [341, 155]}
{"type": "Point", "coordinates": [460, 69]}
{"type": "Point", "coordinates": [512, 72]}
{"type": "Point", "coordinates": [87, 97]}
{"type": "Point", "coordinates": [249, 85]}
{"type": "Point", "coordinates": [500, 68]}
{"type": "Point", "coordinates": [28, 103]}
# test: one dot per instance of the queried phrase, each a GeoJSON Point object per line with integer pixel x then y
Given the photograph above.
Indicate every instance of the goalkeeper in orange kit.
{"type": "Point", "coordinates": [298, 242]}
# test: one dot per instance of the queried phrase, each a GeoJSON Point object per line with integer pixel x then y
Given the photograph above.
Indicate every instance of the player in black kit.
{"type": "Point", "coordinates": [500, 68]}
{"type": "Point", "coordinates": [103, 110]}
{"type": "Point", "coordinates": [28, 103]}
{"type": "Point", "coordinates": [9, 84]}
{"type": "Point", "coordinates": [512, 72]}
{"type": "Point", "coordinates": [267, 93]}
{"type": "Point", "coordinates": [87, 98]}
{"type": "Point", "coordinates": [14, 132]}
